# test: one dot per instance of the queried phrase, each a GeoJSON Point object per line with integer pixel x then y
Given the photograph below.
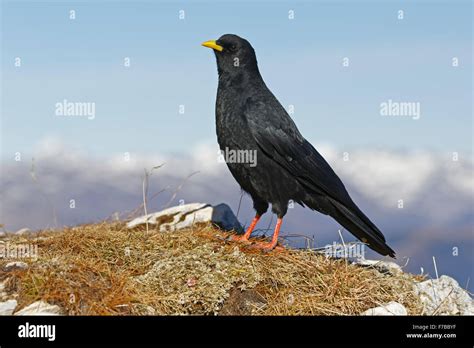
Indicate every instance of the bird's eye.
{"type": "Point", "coordinates": [233, 48]}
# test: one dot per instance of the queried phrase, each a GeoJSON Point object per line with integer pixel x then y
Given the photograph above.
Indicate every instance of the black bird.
{"type": "Point", "coordinates": [250, 118]}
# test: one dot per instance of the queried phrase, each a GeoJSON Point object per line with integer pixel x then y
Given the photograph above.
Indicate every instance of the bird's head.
{"type": "Point", "coordinates": [233, 54]}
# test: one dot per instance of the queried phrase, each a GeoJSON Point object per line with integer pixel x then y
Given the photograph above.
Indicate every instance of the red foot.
{"type": "Point", "coordinates": [266, 246]}
{"type": "Point", "coordinates": [245, 237]}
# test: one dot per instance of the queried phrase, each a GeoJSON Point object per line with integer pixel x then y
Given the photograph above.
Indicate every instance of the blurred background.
{"type": "Point", "coordinates": [152, 86]}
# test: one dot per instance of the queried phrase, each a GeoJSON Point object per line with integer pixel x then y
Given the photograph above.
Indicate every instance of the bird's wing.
{"type": "Point", "coordinates": [277, 136]}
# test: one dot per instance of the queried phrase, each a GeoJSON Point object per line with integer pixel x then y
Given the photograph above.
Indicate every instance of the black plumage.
{"type": "Point", "coordinates": [288, 167]}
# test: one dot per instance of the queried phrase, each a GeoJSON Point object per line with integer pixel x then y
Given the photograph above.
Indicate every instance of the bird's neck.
{"type": "Point", "coordinates": [240, 79]}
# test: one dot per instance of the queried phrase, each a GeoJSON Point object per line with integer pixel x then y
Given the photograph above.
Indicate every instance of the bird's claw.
{"type": "Point", "coordinates": [266, 246]}
{"type": "Point", "coordinates": [239, 239]}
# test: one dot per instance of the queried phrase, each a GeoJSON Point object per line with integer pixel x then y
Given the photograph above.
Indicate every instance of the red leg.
{"type": "Point", "coordinates": [267, 246]}
{"type": "Point", "coordinates": [247, 234]}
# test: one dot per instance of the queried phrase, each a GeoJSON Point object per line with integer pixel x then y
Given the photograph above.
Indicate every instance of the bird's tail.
{"type": "Point", "coordinates": [355, 221]}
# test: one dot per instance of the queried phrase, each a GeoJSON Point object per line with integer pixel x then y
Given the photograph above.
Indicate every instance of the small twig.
{"type": "Point", "coordinates": [145, 191]}
{"type": "Point", "coordinates": [441, 303]}
{"type": "Point", "coordinates": [269, 225]}
{"type": "Point", "coordinates": [406, 263]}
{"type": "Point", "coordinates": [134, 212]}
{"type": "Point", "coordinates": [343, 244]}
{"type": "Point", "coordinates": [306, 238]}
{"type": "Point", "coordinates": [179, 188]}
{"type": "Point", "coordinates": [240, 203]}
{"type": "Point", "coordinates": [436, 268]}
{"type": "Point", "coordinates": [467, 283]}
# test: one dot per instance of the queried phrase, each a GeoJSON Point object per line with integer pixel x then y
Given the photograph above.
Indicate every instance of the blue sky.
{"type": "Point", "coordinates": [301, 61]}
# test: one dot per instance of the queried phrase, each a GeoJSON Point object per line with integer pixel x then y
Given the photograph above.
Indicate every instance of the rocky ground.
{"type": "Point", "coordinates": [179, 261]}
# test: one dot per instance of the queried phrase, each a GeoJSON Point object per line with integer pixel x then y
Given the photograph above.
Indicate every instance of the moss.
{"type": "Point", "coordinates": [107, 269]}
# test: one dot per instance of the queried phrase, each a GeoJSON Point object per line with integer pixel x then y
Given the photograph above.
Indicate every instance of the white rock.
{"type": "Point", "coordinates": [149, 310]}
{"type": "Point", "coordinates": [184, 216]}
{"type": "Point", "coordinates": [444, 296]}
{"type": "Point", "coordinates": [23, 231]}
{"type": "Point", "coordinates": [391, 308]}
{"type": "Point", "coordinates": [11, 266]}
{"type": "Point", "coordinates": [40, 308]}
{"type": "Point", "coordinates": [3, 234]}
{"type": "Point", "coordinates": [383, 266]}
{"type": "Point", "coordinates": [3, 293]}
{"type": "Point", "coordinates": [7, 307]}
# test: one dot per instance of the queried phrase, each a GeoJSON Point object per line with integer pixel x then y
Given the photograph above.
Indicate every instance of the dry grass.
{"type": "Point", "coordinates": [105, 269]}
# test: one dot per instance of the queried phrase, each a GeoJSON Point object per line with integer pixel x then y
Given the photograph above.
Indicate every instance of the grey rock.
{"type": "Point", "coordinates": [444, 296]}
{"type": "Point", "coordinates": [40, 308]}
{"type": "Point", "coordinates": [185, 216]}
{"type": "Point", "coordinates": [7, 307]}
{"type": "Point", "coordinates": [391, 308]}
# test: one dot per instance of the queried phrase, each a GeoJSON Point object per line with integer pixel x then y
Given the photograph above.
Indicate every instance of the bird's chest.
{"type": "Point", "coordinates": [231, 126]}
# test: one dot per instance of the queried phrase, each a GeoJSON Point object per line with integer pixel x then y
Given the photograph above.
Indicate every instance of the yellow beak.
{"type": "Point", "coordinates": [212, 44]}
